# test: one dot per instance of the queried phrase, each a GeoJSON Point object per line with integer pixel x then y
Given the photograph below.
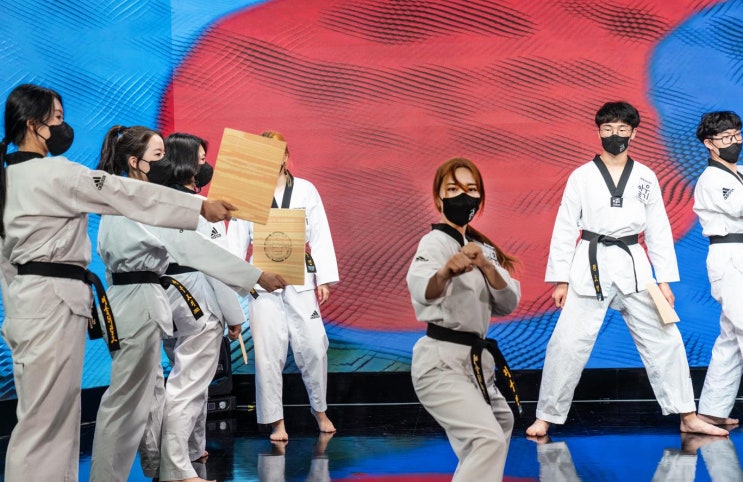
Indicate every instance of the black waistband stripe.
{"type": "Point", "coordinates": [69, 271]}
{"type": "Point", "coordinates": [504, 380]}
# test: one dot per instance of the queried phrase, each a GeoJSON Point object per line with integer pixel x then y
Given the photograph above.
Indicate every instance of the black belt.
{"type": "Point", "coordinates": [728, 238]}
{"type": "Point", "coordinates": [70, 271]}
{"type": "Point", "coordinates": [593, 240]}
{"type": "Point", "coordinates": [478, 345]}
{"type": "Point", "coordinates": [175, 268]}
{"type": "Point", "coordinates": [148, 277]}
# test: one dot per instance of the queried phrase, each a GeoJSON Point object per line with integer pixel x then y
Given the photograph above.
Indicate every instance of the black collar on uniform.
{"type": "Point", "coordinates": [445, 228]}
{"type": "Point", "coordinates": [21, 156]}
{"type": "Point", "coordinates": [181, 188]}
{"type": "Point", "coordinates": [719, 165]}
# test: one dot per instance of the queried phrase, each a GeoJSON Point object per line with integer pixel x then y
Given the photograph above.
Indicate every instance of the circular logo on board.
{"type": "Point", "coordinates": [278, 246]}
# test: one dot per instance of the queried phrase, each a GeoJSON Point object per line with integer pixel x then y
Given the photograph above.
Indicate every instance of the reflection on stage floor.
{"type": "Point", "coordinates": [617, 441]}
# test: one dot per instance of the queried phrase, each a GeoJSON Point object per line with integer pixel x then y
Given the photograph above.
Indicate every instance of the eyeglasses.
{"type": "Point", "coordinates": [623, 131]}
{"type": "Point", "coordinates": [727, 140]}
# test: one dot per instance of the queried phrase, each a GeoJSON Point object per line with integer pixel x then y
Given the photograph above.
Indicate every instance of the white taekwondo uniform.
{"type": "Point", "coordinates": [586, 206]}
{"type": "Point", "coordinates": [442, 372]}
{"type": "Point", "coordinates": [718, 201]}
{"type": "Point", "coordinates": [131, 412]}
{"type": "Point", "coordinates": [196, 352]}
{"type": "Point", "coordinates": [233, 236]}
{"type": "Point", "coordinates": [292, 316]}
{"type": "Point", "coordinates": [45, 318]}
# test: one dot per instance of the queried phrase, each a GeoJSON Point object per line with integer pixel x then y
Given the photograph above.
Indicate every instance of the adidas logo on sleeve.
{"type": "Point", "coordinates": [99, 180]}
{"type": "Point", "coordinates": [315, 315]}
{"type": "Point", "coordinates": [215, 234]}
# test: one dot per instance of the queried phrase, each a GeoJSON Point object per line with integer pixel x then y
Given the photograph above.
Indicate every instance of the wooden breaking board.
{"type": "Point", "coordinates": [245, 173]}
{"type": "Point", "coordinates": [278, 245]}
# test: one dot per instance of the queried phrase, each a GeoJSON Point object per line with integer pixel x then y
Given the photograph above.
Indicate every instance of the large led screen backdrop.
{"type": "Point", "coordinates": [373, 95]}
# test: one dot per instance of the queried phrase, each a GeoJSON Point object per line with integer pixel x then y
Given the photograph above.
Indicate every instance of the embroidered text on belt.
{"type": "Point", "coordinates": [478, 344]}
{"type": "Point", "coordinates": [728, 238]}
{"type": "Point", "coordinates": [71, 271]}
{"type": "Point", "coordinates": [148, 277]}
{"type": "Point", "coordinates": [593, 240]}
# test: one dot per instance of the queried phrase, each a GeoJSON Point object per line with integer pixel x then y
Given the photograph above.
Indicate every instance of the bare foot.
{"type": "Point", "coordinates": [202, 459]}
{"type": "Point", "coordinates": [717, 420]}
{"type": "Point", "coordinates": [322, 443]}
{"type": "Point", "coordinates": [538, 428]}
{"type": "Point", "coordinates": [279, 448]}
{"type": "Point", "coordinates": [691, 442]}
{"type": "Point", "coordinates": [323, 422]}
{"type": "Point", "coordinates": [690, 423]}
{"type": "Point", "coordinates": [539, 440]}
{"type": "Point", "coordinates": [278, 432]}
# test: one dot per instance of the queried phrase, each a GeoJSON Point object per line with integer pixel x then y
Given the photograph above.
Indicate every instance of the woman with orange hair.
{"type": "Point", "coordinates": [459, 279]}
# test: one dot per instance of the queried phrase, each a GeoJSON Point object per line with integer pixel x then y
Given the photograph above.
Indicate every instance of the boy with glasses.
{"type": "Point", "coordinates": [718, 201]}
{"type": "Point", "coordinates": [609, 202]}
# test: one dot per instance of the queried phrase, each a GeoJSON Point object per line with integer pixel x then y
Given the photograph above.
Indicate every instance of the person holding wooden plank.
{"type": "Point", "coordinates": [718, 202]}
{"type": "Point", "coordinates": [44, 206]}
{"type": "Point", "coordinates": [609, 202]}
{"type": "Point", "coordinates": [197, 342]}
{"type": "Point", "coordinates": [292, 315]}
{"type": "Point", "coordinates": [136, 259]}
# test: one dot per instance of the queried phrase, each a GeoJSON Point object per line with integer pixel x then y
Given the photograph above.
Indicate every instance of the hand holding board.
{"type": "Point", "coordinates": [667, 313]}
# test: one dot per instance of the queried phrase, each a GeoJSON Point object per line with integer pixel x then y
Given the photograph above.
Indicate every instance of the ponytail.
{"type": "Point", "coordinates": [108, 151]}
{"type": "Point", "coordinates": [506, 260]}
{"type": "Point", "coordinates": [3, 186]}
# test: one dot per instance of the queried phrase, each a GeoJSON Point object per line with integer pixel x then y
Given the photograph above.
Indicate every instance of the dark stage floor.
{"type": "Point", "coordinates": [603, 441]}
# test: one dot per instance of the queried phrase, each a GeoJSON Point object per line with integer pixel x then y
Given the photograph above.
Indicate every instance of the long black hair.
{"type": "Point", "coordinates": [26, 102]}
{"type": "Point", "coordinates": [182, 150]}
{"type": "Point", "coordinates": [121, 143]}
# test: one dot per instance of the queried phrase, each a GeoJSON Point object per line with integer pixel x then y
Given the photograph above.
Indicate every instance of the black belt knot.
{"type": "Point", "coordinates": [149, 277]}
{"type": "Point", "coordinates": [506, 383]}
{"type": "Point", "coordinates": [71, 271]}
{"type": "Point", "coordinates": [594, 239]}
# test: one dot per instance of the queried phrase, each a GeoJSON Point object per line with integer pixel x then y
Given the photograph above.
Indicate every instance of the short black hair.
{"type": "Point", "coordinates": [618, 112]}
{"type": "Point", "coordinates": [712, 123]}
{"type": "Point", "coordinates": [183, 152]}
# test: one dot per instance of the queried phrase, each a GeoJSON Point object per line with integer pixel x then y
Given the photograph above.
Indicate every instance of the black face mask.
{"type": "Point", "coordinates": [60, 138]}
{"type": "Point", "coordinates": [730, 153]}
{"type": "Point", "coordinates": [204, 175]}
{"type": "Point", "coordinates": [160, 171]}
{"type": "Point", "coordinates": [615, 144]}
{"type": "Point", "coordinates": [460, 209]}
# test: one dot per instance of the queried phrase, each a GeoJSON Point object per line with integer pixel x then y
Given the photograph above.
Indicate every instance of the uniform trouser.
{"type": "Point", "coordinates": [726, 366]}
{"type": "Point", "coordinates": [195, 363]}
{"type": "Point", "coordinates": [478, 433]}
{"type": "Point", "coordinates": [277, 320]}
{"type": "Point", "coordinates": [127, 404]}
{"type": "Point", "coordinates": [660, 347]}
{"type": "Point", "coordinates": [721, 459]}
{"type": "Point", "coordinates": [556, 463]}
{"type": "Point", "coordinates": [197, 440]}
{"type": "Point", "coordinates": [676, 466]}
{"type": "Point", "coordinates": [271, 468]}
{"type": "Point", "coordinates": [47, 370]}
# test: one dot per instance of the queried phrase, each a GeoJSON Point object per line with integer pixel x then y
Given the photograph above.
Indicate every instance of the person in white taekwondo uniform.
{"type": "Point", "coordinates": [458, 280]}
{"type": "Point", "coordinates": [136, 258]}
{"type": "Point", "coordinates": [718, 202]}
{"type": "Point", "coordinates": [198, 342]}
{"type": "Point", "coordinates": [44, 203]}
{"type": "Point", "coordinates": [292, 316]}
{"type": "Point", "coordinates": [613, 199]}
